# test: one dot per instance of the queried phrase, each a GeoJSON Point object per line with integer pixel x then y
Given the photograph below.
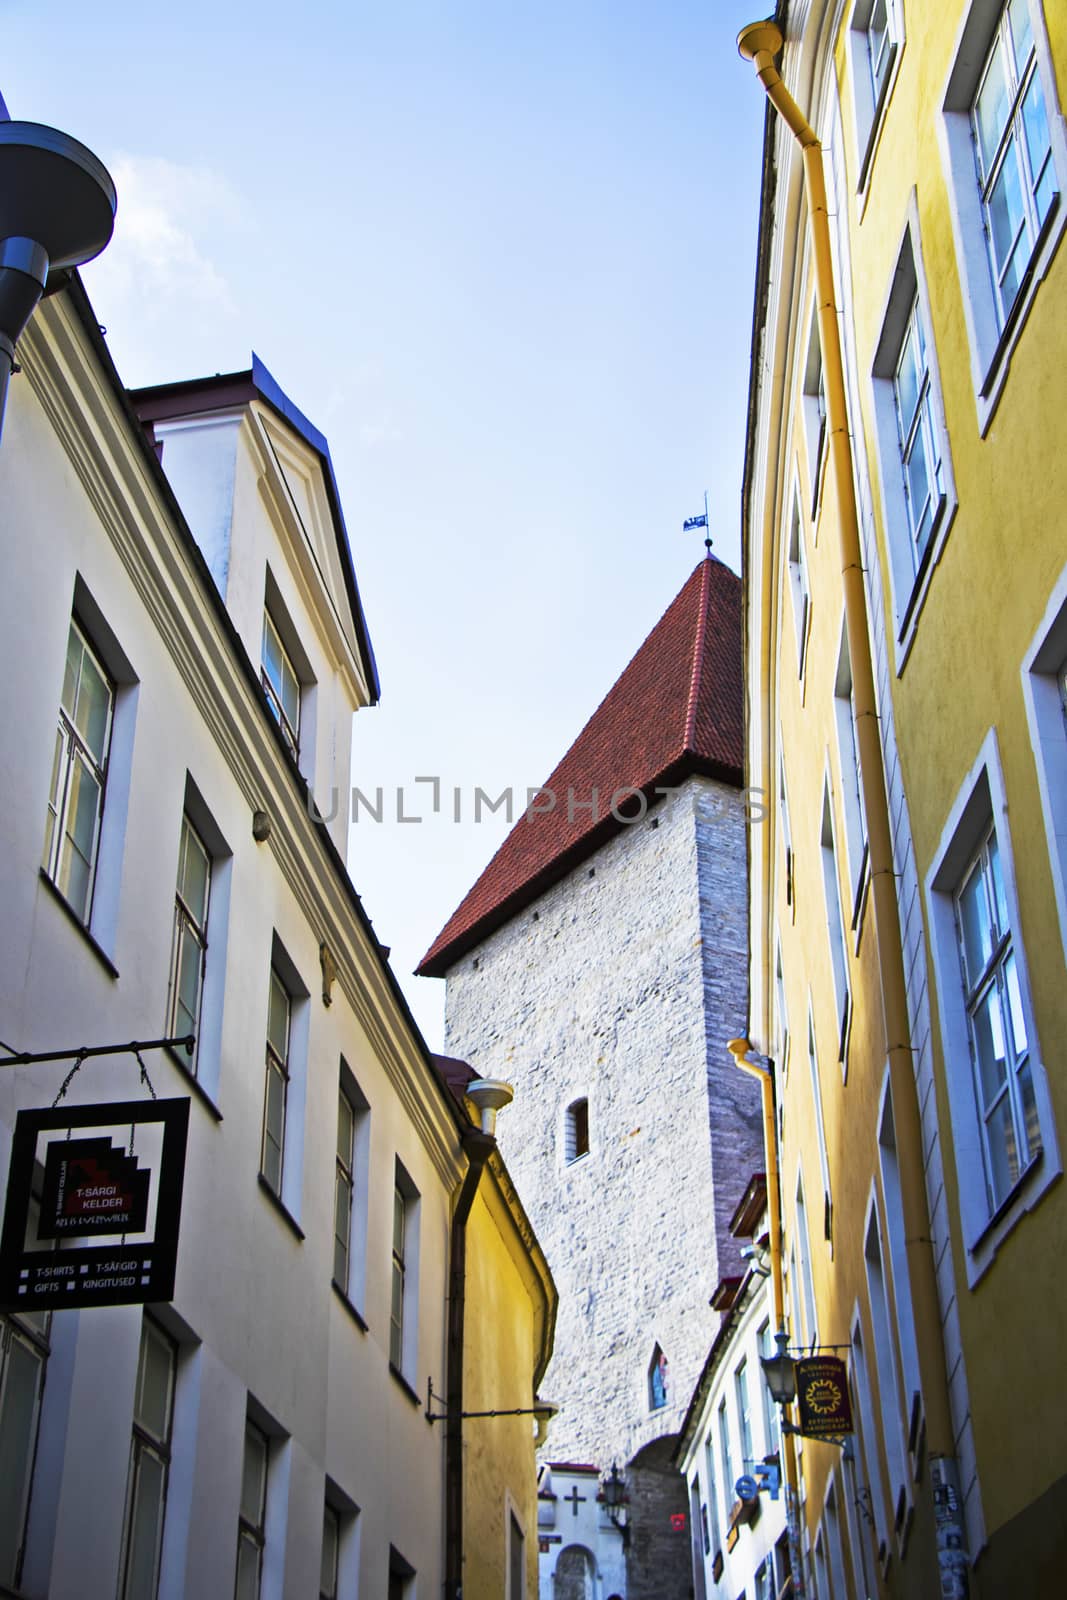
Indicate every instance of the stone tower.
{"type": "Point", "coordinates": [600, 964]}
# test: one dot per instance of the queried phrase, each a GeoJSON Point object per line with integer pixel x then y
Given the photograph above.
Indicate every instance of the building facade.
{"type": "Point", "coordinates": [599, 965]}
{"type": "Point", "coordinates": [905, 585]}
{"type": "Point", "coordinates": [188, 649]}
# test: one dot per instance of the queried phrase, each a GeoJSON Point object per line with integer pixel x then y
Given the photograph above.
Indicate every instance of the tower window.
{"type": "Point", "coordinates": [577, 1133]}
{"type": "Point", "coordinates": [657, 1380]}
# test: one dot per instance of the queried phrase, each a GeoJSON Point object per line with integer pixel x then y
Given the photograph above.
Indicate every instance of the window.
{"type": "Point", "coordinates": [763, 1581]}
{"type": "Point", "coordinates": [875, 36]}
{"type": "Point", "coordinates": [885, 1366]}
{"type": "Point", "coordinates": [79, 774]}
{"type": "Point", "coordinates": [873, 1493]}
{"type": "Point", "coordinates": [782, 1017]}
{"type": "Point", "coordinates": [351, 1175]}
{"type": "Point", "coordinates": [814, 409]}
{"type": "Point", "coordinates": [851, 787]}
{"type": "Point", "coordinates": [401, 1576]}
{"type": "Point", "coordinates": [1007, 155]}
{"type": "Point", "coordinates": [252, 1521]}
{"type": "Point", "coordinates": [729, 1476]}
{"type": "Point", "coordinates": [516, 1559]}
{"type": "Point", "coordinates": [576, 1138]}
{"type": "Point", "coordinates": [279, 1019]}
{"type": "Point", "coordinates": [904, 1321]}
{"type": "Point", "coordinates": [835, 924]}
{"type": "Point", "coordinates": [798, 582]}
{"type": "Point", "coordinates": [23, 1361]}
{"type": "Point", "coordinates": [1002, 1118]}
{"type": "Point", "coordinates": [403, 1331]}
{"type": "Point", "coordinates": [1000, 1050]}
{"type": "Point", "coordinates": [744, 1416]}
{"type": "Point", "coordinates": [820, 1128]}
{"type": "Point", "coordinates": [342, 1196]}
{"type": "Point", "coordinates": [188, 957]}
{"type": "Point", "coordinates": [811, 1327]}
{"type": "Point", "coordinates": [771, 1437]}
{"type": "Point", "coordinates": [787, 838]}
{"type": "Point", "coordinates": [331, 1543]}
{"type": "Point", "coordinates": [658, 1391]}
{"type": "Point", "coordinates": [146, 1489]}
{"type": "Point", "coordinates": [281, 684]}
{"type": "Point", "coordinates": [1013, 149]}
{"type": "Point", "coordinates": [918, 492]}
{"type": "Point", "coordinates": [713, 1493]}
{"type": "Point", "coordinates": [1045, 691]}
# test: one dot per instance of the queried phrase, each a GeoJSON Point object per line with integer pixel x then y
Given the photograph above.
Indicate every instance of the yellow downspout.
{"type": "Point", "coordinates": [739, 1049]}
{"type": "Point", "coordinates": [760, 43]}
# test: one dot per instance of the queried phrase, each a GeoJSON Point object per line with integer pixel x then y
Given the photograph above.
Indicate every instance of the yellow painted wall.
{"type": "Point", "coordinates": [509, 1312]}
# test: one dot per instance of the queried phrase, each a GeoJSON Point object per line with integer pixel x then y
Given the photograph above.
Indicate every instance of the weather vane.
{"type": "Point", "coordinates": [700, 522]}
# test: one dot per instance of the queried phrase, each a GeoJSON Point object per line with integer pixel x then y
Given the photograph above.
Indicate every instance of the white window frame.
{"type": "Point", "coordinates": [190, 928]}
{"type": "Point", "coordinates": [803, 1259]}
{"type": "Point", "coordinates": [781, 1008]}
{"type": "Point", "coordinates": [287, 719]}
{"type": "Point", "coordinates": [869, 1438]}
{"type": "Point", "coordinates": [813, 410]}
{"type": "Point", "coordinates": [787, 837]}
{"type": "Point", "coordinates": [848, 756]}
{"type": "Point", "coordinates": [870, 96]}
{"type": "Point", "coordinates": [1046, 714]}
{"type": "Point", "coordinates": [799, 584]}
{"type": "Point", "coordinates": [292, 1069]}
{"type": "Point", "coordinates": [820, 1130]}
{"type": "Point", "coordinates": [277, 1068]}
{"type": "Point", "coordinates": [404, 1268]}
{"type": "Point", "coordinates": [991, 343]}
{"type": "Point", "coordinates": [252, 1524]}
{"type": "Point", "coordinates": [149, 1445]}
{"type": "Point", "coordinates": [890, 1405]}
{"type": "Point", "coordinates": [30, 1332]}
{"type": "Point", "coordinates": [835, 925]}
{"type": "Point", "coordinates": [910, 567]}
{"type": "Point", "coordinates": [73, 753]}
{"type": "Point", "coordinates": [896, 1259]}
{"type": "Point", "coordinates": [743, 1401]}
{"type": "Point", "coordinates": [715, 1511]}
{"type": "Point", "coordinates": [982, 799]}
{"type": "Point", "coordinates": [352, 1173]}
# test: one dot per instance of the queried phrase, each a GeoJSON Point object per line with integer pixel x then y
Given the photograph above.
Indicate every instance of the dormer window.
{"type": "Point", "coordinates": [280, 683]}
{"type": "Point", "coordinates": [577, 1131]}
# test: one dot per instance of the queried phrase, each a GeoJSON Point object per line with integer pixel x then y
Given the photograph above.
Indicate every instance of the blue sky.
{"type": "Point", "coordinates": [503, 255]}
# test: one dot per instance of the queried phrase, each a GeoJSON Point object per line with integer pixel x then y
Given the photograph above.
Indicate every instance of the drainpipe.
{"type": "Point", "coordinates": [477, 1147]}
{"type": "Point", "coordinates": [760, 43]}
{"type": "Point", "coordinates": [739, 1049]}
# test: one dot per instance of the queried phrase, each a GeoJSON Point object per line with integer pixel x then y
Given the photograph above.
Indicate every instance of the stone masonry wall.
{"type": "Point", "coordinates": [622, 984]}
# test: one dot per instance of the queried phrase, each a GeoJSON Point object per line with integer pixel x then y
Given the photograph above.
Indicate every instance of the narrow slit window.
{"type": "Point", "coordinates": [577, 1130]}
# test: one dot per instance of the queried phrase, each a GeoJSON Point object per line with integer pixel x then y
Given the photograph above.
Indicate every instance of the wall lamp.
{"type": "Point", "coordinates": [57, 211]}
{"type": "Point", "coordinates": [780, 1372]}
{"type": "Point", "coordinates": [614, 1497]}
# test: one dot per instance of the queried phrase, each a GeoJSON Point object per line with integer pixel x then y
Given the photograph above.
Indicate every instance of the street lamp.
{"type": "Point", "coordinates": [780, 1372]}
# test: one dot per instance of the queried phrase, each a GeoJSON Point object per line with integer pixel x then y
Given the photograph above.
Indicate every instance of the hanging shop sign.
{"type": "Point", "coordinates": [822, 1396]}
{"type": "Point", "coordinates": [94, 1199]}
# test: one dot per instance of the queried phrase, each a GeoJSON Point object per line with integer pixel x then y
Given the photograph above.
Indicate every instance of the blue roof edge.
{"type": "Point", "coordinates": [273, 393]}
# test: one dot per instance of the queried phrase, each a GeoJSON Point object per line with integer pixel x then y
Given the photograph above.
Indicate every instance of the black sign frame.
{"type": "Point", "coordinates": [93, 1275]}
{"type": "Point", "coordinates": [823, 1398]}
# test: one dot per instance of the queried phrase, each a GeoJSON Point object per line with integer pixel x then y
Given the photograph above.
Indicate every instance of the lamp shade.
{"type": "Point", "coordinates": [780, 1373]}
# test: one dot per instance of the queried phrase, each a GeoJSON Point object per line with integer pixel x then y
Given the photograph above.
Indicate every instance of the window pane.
{"type": "Point", "coordinates": [909, 379]}
{"type": "Point", "coordinates": [1021, 32]}
{"type": "Point", "coordinates": [975, 923]}
{"type": "Point", "coordinates": [398, 1223]}
{"type": "Point", "coordinates": [1006, 224]}
{"type": "Point", "coordinates": [342, 1217]}
{"type": "Point", "coordinates": [397, 1307]}
{"type": "Point", "coordinates": [190, 958]}
{"type": "Point", "coordinates": [1003, 1154]}
{"type": "Point", "coordinates": [991, 109]}
{"type": "Point", "coordinates": [1031, 1125]}
{"type": "Point", "coordinates": [59, 768]}
{"type": "Point", "coordinates": [92, 707]}
{"type": "Point", "coordinates": [330, 1539]}
{"type": "Point", "coordinates": [195, 874]}
{"type": "Point", "coordinates": [146, 1525]}
{"type": "Point", "coordinates": [254, 1477]}
{"type": "Point", "coordinates": [278, 1018]}
{"type": "Point", "coordinates": [18, 1411]}
{"type": "Point", "coordinates": [917, 482]}
{"type": "Point", "coordinates": [345, 1124]}
{"type": "Point", "coordinates": [1035, 128]}
{"type": "Point", "coordinates": [1015, 1007]}
{"type": "Point", "coordinates": [247, 1569]}
{"type": "Point", "coordinates": [154, 1384]}
{"type": "Point", "coordinates": [989, 1046]}
{"type": "Point", "coordinates": [71, 671]}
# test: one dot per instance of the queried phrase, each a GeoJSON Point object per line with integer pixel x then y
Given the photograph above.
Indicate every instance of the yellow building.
{"type": "Point", "coordinates": [906, 639]}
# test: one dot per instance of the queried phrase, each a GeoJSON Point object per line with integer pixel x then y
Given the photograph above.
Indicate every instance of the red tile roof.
{"type": "Point", "coordinates": [676, 710]}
